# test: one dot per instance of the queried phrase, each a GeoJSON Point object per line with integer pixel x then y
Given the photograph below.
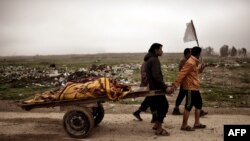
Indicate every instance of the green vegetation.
{"type": "Point", "coordinates": [225, 82]}
{"type": "Point", "coordinates": [244, 78]}
{"type": "Point", "coordinates": [7, 92]}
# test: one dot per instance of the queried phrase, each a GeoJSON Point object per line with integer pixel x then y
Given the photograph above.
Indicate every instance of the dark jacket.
{"type": "Point", "coordinates": [153, 72]}
{"type": "Point", "coordinates": [144, 81]}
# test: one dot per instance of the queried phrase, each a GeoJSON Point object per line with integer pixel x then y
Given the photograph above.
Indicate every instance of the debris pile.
{"type": "Point", "coordinates": [22, 76]}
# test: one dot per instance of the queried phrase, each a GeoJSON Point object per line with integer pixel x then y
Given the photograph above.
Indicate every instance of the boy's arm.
{"type": "Point", "coordinates": [202, 67]}
{"type": "Point", "coordinates": [182, 63]}
{"type": "Point", "coordinates": [182, 74]}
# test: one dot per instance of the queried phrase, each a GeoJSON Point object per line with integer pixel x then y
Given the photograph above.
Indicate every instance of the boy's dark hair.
{"type": "Point", "coordinates": [187, 51]}
{"type": "Point", "coordinates": [195, 51]}
{"type": "Point", "coordinates": [153, 47]}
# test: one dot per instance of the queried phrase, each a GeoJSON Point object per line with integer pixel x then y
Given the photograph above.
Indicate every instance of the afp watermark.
{"type": "Point", "coordinates": [236, 132]}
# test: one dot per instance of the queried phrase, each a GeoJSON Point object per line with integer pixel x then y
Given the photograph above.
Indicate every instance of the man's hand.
{"type": "Point", "coordinates": [170, 90]}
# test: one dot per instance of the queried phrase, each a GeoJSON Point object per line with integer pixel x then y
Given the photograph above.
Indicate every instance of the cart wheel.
{"type": "Point", "coordinates": [78, 123]}
{"type": "Point", "coordinates": [98, 114]}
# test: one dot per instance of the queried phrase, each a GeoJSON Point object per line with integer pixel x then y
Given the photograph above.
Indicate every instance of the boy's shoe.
{"type": "Point", "coordinates": [200, 126]}
{"type": "Point", "coordinates": [176, 111]}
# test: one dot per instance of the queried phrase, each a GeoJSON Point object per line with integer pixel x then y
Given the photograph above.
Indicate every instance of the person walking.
{"type": "Point", "coordinates": [188, 76]}
{"type": "Point", "coordinates": [147, 101]}
{"type": "Point", "coordinates": [181, 95]}
{"type": "Point", "coordinates": [155, 82]}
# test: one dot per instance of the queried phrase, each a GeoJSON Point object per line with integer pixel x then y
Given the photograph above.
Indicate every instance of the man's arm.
{"type": "Point", "coordinates": [144, 80]}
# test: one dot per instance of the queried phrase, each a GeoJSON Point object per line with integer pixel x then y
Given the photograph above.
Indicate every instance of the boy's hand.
{"type": "Point", "coordinates": [170, 90]}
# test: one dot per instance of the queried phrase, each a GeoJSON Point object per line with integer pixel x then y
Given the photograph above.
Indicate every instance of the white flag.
{"type": "Point", "coordinates": [190, 34]}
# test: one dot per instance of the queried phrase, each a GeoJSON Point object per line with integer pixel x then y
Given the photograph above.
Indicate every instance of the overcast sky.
{"type": "Point", "coordinates": [30, 27]}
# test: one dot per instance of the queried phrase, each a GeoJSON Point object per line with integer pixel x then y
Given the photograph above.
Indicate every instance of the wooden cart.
{"type": "Point", "coordinates": [83, 115]}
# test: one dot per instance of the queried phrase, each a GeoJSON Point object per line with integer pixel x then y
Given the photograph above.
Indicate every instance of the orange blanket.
{"type": "Point", "coordinates": [93, 89]}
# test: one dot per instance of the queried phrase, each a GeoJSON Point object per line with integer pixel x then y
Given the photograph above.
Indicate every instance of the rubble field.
{"type": "Point", "coordinates": [225, 81]}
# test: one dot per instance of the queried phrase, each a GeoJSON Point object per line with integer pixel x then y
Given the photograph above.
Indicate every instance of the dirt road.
{"type": "Point", "coordinates": [118, 124]}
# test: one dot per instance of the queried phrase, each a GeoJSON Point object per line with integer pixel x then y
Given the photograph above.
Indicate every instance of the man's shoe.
{"type": "Point", "coordinates": [203, 113]}
{"type": "Point", "coordinates": [176, 111]}
{"type": "Point", "coordinates": [153, 118]}
{"type": "Point", "coordinates": [137, 115]}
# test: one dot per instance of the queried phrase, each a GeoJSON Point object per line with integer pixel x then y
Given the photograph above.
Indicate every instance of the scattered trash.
{"type": "Point", "coordinates": [243, 102]}
{"type": "Point", "coordinates": [216, 106]}
{"type": "Point", "coordinates": [21, 76]}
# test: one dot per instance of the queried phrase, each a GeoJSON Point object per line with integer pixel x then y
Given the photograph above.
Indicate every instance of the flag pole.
{"type": "Point", "coordinates": [195, 33]}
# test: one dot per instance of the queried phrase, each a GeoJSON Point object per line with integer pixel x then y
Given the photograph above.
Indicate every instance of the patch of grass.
{"type": "Point", "coordinates": [170, 76]}
{"type": "Point", "coordinates": [210, 60]}
{"type": "Point", "coordinates": [212, 96]}
{"type": "Point", "coordinates": [244, 78]}
{"type": "Point", "coordinates": [233, 96]}
{"type": "Point", "coordinates": [8, 93]}
{"type": "Point", "coordinates": [136, 75]}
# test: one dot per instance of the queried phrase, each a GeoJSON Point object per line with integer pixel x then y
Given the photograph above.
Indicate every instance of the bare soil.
{"type": "Point", "coordinates": [45, 124]}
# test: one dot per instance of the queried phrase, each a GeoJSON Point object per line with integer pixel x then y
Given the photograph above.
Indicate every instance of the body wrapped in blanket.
{"type": "Point", "coordinates": [97, 88]}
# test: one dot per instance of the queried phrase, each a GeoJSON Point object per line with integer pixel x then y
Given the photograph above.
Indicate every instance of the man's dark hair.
{"type": "Point", "coordinates": [195, 51]}
{"type": "Point", "coordinates": [153, 47]}
{"type": "Point", "coordinates": [187, 51]}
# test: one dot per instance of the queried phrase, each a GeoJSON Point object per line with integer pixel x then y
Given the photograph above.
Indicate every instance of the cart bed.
{"type": "Point", "coordinates": [48, 104]}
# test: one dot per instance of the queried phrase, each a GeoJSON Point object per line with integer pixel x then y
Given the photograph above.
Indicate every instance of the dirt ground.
{"type": "Point", "coordinates": [45, 124]}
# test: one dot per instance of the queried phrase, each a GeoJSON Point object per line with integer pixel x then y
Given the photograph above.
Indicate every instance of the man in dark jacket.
{"type": "Point", "coordinates": [147, 101]}
{"type": "Point", "coordinates": [155, 81]}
